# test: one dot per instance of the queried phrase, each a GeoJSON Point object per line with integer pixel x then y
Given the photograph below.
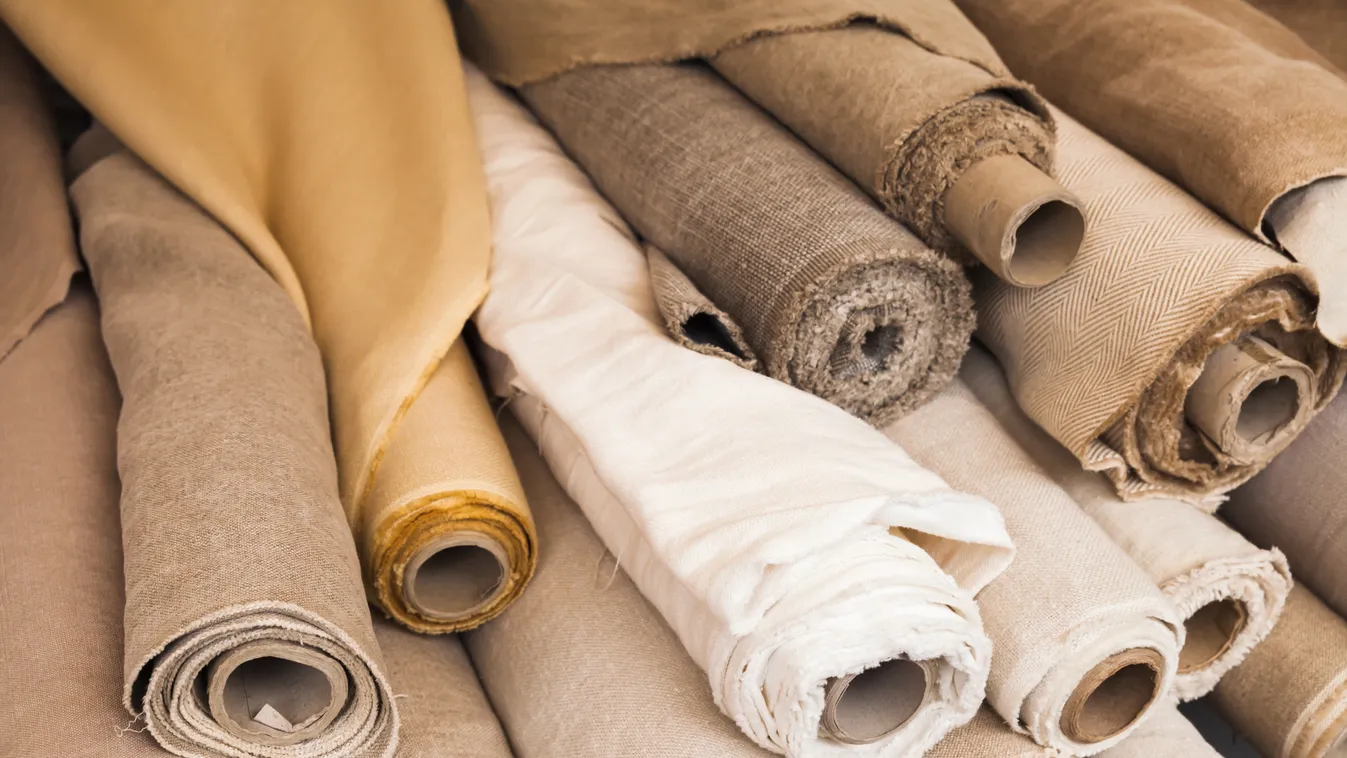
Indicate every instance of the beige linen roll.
{"type": "Point", "coordinates": [833, 297]}
{"type": "Point", "coordinates": [1321, 23]}
{"type": "Point", "coordinates": [1108, 358]}
{"type": "Point", "coordinates": [1166, 734]}
{"type": "Point", "coordinates": [1228, 592]}
{"type": "Point", "coordinates": [1085, 643]}
{"type": "Point", "coordinates": [1290, 697]}
{"type": "Point", "coordinates": [241, 574]}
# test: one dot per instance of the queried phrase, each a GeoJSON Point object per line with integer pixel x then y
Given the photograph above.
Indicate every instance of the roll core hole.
{"type": "Point", "coordinates": [458, 579]}
{"type": "Point", "coordinates": [1117, 702]}
{"type": "Point", "coordinates": [1046, 242]}
{"type": "Point", "coordinates": [1269, 407]}
{"type": "Point", "coordinates": [879, 343]}
{"type": "Point", "coordinates": [875, 703]}
{"type": "Point", "coordinates": [296, 691]}
{"type": "Point", "coordinates": [1212, 629]}
{"type": "Point", "coordinates": [706, 329]}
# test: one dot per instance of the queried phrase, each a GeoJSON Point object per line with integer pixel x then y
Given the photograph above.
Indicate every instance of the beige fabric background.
{"type": "Point", "coordinates": [1321, 23]}
{"type": "Point", "coordinates": [232, 527]}
{"type": "Point", "coordinates": [37, 250]}
{"type": "Point", "coordinates": [280, 120]}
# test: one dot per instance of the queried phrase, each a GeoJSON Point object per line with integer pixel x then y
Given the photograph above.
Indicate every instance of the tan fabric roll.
{"type": "Point", "coordinates": [1228, 592]}
{"type": "Point", "coordinates": [240, 569]}
{"type": "Point", "coordinates": [987, 736]}
{"type": "Point", "coordinates": [1085, 643]}
{"type": "Point", "coordinates": [1290, 697]}
{"type": "Point", "coordinates": [691, 319]}
{"type": "Point", "coordinates": [1107, 357]}
{"type": "Point", "coordinates": [1321, 23]}
{"type": "Point", "coordinates": [832, 296]}
{"type": "Point", "coordinates": [37, 243]}
{"type": "Point", "coordinates": [446, 536]}
{"type": "Point", "coordinates": [299, 126]}
{"type": "Point", "coordinates": [910, 126]}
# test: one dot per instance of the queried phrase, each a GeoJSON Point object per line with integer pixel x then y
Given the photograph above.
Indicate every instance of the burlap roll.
{"type": "Point", "coordinates": [1289, 698]}
{"type": "Point", "coordinates": [37, 245]}
{"type": "Point", "coordinates": [241, 574]}
{"type": "Point", "coordinates": [1106, 358]}
{"type": "Point", "coordinates": [958, 153]}
{"type": "Point", "coordinates": [1228, 592]}
{"type": "Point", "coordinates": [691, 319]}
{"type": "Point", "coordinates": [1321, 23]}
{"type": "Point", "coordinates": [1215, 95]}
{"type": "Point", "coordinates": [833, 297]}
{"type": "Point", "coordinates": [1085, 642]}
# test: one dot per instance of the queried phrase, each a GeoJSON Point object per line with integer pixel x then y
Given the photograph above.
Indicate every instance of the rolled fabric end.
{"type": "Point", "coordinates": [275, 692]}
{"type": "Point", "coordinates": [1113, 696]}
{"type": "Point", "coordinates": [859, 709]}
{"type": "Point", "coordinates": [1310, 223]}
{"type": "Point", "coordinates": [690, 317]}
{"type": "Point", "coordinates": [1016, 219]}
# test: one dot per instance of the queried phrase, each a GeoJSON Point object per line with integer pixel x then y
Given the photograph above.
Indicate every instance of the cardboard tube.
{"type": "Point", "coordinates": [1211, 630]}
{"type": "Point", "coordinates": [1113, 696]}
{"type": "Point", "coordinates": [456, 577]}
{"type": "Point", "coordinates": [1016, 219]}
{"type": "Point", "coordinates": [1250, 399]}
{"type": "Point", "coordinates": [275, 692]}
{"type": "Point", "coordinates": [859, 709]}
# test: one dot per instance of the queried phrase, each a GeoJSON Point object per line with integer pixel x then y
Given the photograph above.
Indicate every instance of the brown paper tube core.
{"type": "Point", "coordinates": [455, 577]}
{"type": "Point", "coordinates": [862, 708]}
{"type": "Point", "coordinates": [1212, 629]}
{"type": "Point", "coordinates": [1250, 398]}
{"type": "Point", "coordinates": [1016, 219]}
{"type": "Point", "coordinates": [1113, 696]}
{"type": "Point", "coordinates": [273, 692]}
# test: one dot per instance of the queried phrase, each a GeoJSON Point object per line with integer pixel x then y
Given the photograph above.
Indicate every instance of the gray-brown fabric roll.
{"type": "Point", "coordinates": [1321, 23]}
{"type": "Point", "coordinates": [37, 242]}
{"type": "Point", "coordinates": [1296, 505]}
{"type": "Point", "coordinates": [1289, 698]}
{"type": "Point", "coordinates": [241, 571]}
{"type": "Point", "coordinates": [833, 297]}
{"type": "Point", "coordinates": [958, 153]}
{"type": "Point", "coordinates": [691, 319]}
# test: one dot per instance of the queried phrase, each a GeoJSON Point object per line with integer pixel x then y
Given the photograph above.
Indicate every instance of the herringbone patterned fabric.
{"type": "Point", "coordinates": [1103, 357]}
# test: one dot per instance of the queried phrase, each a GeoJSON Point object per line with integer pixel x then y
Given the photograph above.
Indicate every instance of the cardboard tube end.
{"type": "Point", "coordinates": [1016, 219]}
{"type": "Point", "coordinates": [1250, 398]}
{"type": "Point", "coordinates": [1113, 696]}
{"type": "Point", "coordinates": [1211, 632]}
{"type": "Point", "coordinates": [863, 708]}
{"type": "Point", "coordinates": [456, 577]}
{"type": "Point", "coordinates": [275, 692]}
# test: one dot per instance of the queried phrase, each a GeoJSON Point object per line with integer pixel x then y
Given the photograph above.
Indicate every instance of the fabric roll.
{"type": "Point", "coordinates": [37, 248]}
{"type": "Point", "coordinates": [1215, 95]}
{"type": "Point", "coordinates": [1167, 734]}
{"type": "Point", "coordinates": [1296, 505]}
{"type": "Point", "coordinates": [1085, 642]}
{"type": "Point", "coordinates": [446, 536]}
{"type": "Point", "coordinates": [1228, 592]}
{"type": "Point", "coordinates": [299, 126]}
{"type": "Point", "coordinates": [1289, 698]}
{"type": "Point", "coordinates": [240, 569]}
{"type": "Point", "coordinates": [691, 319]}
{"type": "Point", "coordinates": [987, 736]}
{"type": "Point", "coordinates": [942, 143]}
{"type": "Point", "coordinates": [1321, 23]}
{"type": "Point", "coordinates": [1107, 358]}
{"type": "Point", "coordinates": [832, 296]}
{"type": "Point", "coordinates": [838, 556]}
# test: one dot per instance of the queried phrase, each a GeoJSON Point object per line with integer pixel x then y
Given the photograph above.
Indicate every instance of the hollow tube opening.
{"type": "Point", "coordinates": [866, 707]}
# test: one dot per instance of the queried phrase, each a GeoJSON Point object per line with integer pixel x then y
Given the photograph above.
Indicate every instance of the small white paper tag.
{"type": "Point", "coordinates": [273, 718]}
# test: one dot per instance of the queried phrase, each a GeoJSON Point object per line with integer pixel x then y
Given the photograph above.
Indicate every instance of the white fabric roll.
{"type": "Point", "coordinates": [1166, 734]}
{"type": "Point", "coordinates": [1229, 592]}
{"type": "Point", "coordinates": [785, 541]}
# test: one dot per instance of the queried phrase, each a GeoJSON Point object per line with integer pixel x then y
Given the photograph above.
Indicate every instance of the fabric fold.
{"type": "Point", "coordinates": [1109, 358]}
{"type": "Point", "coordinates": [691, 319]}
{"type": "Point", "coordinates": [1085, 642]}
{"type": "Point", "coordinates": [241, 575]}
{"type": "Point", "coordinates": [832, 296]}
{"type": "Point", "coordinates": [1228, 592]}
{"type": "Point", "coordinates": [837, 556]}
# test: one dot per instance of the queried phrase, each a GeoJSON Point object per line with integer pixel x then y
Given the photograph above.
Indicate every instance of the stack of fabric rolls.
{"type": "Point", "coordinates": [820, 378]}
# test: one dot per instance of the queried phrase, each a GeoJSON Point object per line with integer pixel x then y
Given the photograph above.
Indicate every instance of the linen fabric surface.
{"type": "Point", "coordinates": [37, 248]}
{"type": "Point", "coordinates": [832, 296]}
{"type": "Point", "coordinates": [1166, 734]}
{"type": "Point", "coordinates": [240, 569]}
{"type": "Point", "coordinates": [1321, 23]}
{"type": "Point", "coordinates": [1289, 698]}
{"type": "Point", "coordinates": [1228, 592]}
{"type": "Point", "coordinates": [1074, 620]}
{"type": "Point", "coordinates": [1106, 358]}
{"type": "Point", "coordinates": [280, 121]}
{"type": "Point", "coordinates": [829, 560]}
{"type": "Point", "coordinates": [1216, 96]}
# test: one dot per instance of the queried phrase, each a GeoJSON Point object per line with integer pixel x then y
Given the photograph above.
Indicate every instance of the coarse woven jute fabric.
{"type": "Point", "coordinates": [236, 549]}
{"type": "Point", "coordinates": [1228, 592]}
{"type": "Point", "coordinates": [1289, 698]}
{"type": "Point", "coordinates": [1105, 358]}
{"type": "Point", "coordinates": [838, 555]}
{"type": "Point", "coordinates": [902, 121]}
{"type": "Point", "coordinates": [1321, 23]}
{"type": "Point", "coordinates": [446, 537]}
{"type": "Point", "coordinates": [1072, 598]}
{"type": "Point", "coordinates": [832, 296]}
{"type": "Point", "coordinates": [299, 126]}
{"type": "Point", "coordinates": [691, 319]}
{"type": "Point", "coordinates": [1296, 505]}
{"type": "Point", "coordinates": [37, 246]}
{"type": "Point", "coordinates": [1218, 97]}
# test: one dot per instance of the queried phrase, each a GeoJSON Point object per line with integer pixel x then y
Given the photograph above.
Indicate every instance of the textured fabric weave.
{"type": "Point", "coordinates": [1167, 734]}
{"type": "Point", "coordinates": [692, 320]}
{"type": "Point", "coordinates": [833, 297]}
